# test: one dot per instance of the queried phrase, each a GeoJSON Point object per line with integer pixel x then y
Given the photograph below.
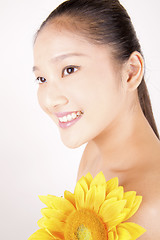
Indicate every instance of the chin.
{"type": "Point", "coordinates": [73, 144]}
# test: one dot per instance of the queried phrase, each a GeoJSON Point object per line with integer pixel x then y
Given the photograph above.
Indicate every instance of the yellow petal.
{"type": "Point", "coordinates": [70, 197]}
{"type": "Point", "coordinates": [41, 235]}
{"type": "Point", "coordinates": [136, 204]}
{"type": "Point", "coordinates": [134, 229]}
{"type": "Point", "coordinates": [47, 200]}
{"type": "Point", "coordinates": [52, 213]}
{"type": "Point", "coordinates": [100, 193]}
{"type": "Point", "coordinates": [90, 198]}
{"type": "Point", "coordinates": [130, 196]}
{"type": "Point", "coordinates": [98, 180]}
{"type": "Point", "coordinates": [41, 222]}
{"type": "Point", "coordinates": [110, 211]}
{"type": "Point", "coordinates": [79, 196]}
{"type": "Point", "coordinates": [84, 185]}
{"type": "Point", "coordinates": [52, 224]}
{"type": "Point", "coordinates": [115, 222]}
{"type": "Point", "coordinates": [107, 202]}
{"type": "Point", "coordinates": [89, 179]}
{"type": "Point", "coordinates": [126, 211]}
{"type": "Point", "coordinates": [56, 235]}
{"type": "Point", "coordinates": [111, 184]}
{"type": "Point", "coordinates": [123, 234]}
{"type": "Point", "coordinates": [63, 204]}
{"type": "Point", "coordinates": [113, 233]}
{"type": "Point", "coordinates": [118, 192]}
{"type": "Point", "coordinates": [110, 236]}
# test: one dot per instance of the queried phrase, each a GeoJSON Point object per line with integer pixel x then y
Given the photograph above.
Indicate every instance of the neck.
{"type": "Point", "coordinates": [124, 144]}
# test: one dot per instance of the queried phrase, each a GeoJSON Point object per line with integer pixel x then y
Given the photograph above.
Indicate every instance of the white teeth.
{"type": "Point", "coordinates": [74, 115]}
{"type": "Point", "coordinates": [64, 119]}
{"type": "Point", "coordinates": [70, 117]}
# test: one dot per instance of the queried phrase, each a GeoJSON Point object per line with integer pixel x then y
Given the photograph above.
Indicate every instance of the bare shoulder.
{"type": "Point", "coordinates": [148, 214]}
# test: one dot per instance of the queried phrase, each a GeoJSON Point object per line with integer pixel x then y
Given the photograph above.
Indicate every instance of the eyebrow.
{"type": "Point", "coordinates": [60, 58]}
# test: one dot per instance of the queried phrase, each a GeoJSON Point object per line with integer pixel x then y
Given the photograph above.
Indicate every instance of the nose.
{"type": "Point", "coordinates": [52, 99]}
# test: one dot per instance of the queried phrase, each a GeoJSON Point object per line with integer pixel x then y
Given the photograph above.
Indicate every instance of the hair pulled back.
{"type": "Point", "coordinates": [105, 22]}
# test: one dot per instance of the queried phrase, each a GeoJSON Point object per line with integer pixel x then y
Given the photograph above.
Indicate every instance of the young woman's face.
{"type": "Point", "coordinates": [75, 75]}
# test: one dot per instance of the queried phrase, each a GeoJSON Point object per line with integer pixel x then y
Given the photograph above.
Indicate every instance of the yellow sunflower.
{"type": "Point", "coordinates": [96, 211]}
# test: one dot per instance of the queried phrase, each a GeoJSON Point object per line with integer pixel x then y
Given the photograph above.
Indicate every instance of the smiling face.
{"type": "Point", "coordinates": [73, 75]}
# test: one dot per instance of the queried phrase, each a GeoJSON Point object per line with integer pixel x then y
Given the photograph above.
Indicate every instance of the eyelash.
{"type": "Point", "coordinates": [68, 67]}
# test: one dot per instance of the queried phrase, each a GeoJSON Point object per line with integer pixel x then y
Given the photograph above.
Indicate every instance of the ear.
{"type": "Point", "coordinates": [133, 71]}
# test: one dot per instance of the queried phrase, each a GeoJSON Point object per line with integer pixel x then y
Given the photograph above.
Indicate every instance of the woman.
{"type": "Point", "coordinates": [90, 70]}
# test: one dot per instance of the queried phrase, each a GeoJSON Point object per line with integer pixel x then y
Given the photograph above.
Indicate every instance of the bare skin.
{"type": "Point", "coordinates": [143, 177]}
{"type": "Point", "coordinates": [121, 142]}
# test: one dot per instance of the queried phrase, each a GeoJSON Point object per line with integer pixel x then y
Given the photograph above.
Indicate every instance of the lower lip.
{"type": "Point", "coordinates": [70, 123]}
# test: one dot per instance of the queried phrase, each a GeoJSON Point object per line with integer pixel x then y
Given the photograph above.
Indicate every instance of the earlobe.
{"type": "Point", "coordinates": [135, 71]}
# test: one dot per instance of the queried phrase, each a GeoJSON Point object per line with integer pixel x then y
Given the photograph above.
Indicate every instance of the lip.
{"type": "Point", "coordinates": [70, 123]}
{"type": "Point", "coordinates": [62, 114]}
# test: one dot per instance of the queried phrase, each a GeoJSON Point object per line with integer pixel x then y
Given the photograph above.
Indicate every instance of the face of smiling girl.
{"type": "Point", "coordinates": [76, 75]}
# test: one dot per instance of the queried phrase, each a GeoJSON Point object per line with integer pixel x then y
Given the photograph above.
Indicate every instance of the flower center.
{"type": "Point", "coordinates": [85, 224]}
{"type": "Point", "coordinates": [83, 233]}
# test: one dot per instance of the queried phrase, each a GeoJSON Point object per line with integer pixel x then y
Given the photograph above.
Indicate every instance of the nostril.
{"type": "Point", "coordinates": [58, 103]}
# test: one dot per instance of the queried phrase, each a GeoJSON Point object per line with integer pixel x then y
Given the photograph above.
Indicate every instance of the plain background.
{"type": "Point", "coordinates": [34, 161]}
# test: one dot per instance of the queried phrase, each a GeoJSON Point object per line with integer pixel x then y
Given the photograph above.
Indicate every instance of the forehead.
{"type": "Point", "coordinates": [52, 41]}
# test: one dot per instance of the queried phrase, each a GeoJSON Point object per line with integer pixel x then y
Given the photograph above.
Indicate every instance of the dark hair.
{"type": "Point", "coordinates": [105, 22]}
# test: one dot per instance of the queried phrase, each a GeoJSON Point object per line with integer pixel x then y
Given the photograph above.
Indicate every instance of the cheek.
{"type": "Point", "coordinates": [39, 96]}
{"type": "Point", "coordinates": [41, 100]}
{"type": "Point", "coordinates": [102, 100]}
{"type": "Point", "coordinates": [100, 92]}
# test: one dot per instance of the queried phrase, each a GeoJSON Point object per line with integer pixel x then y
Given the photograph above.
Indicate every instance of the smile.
{"type": "Point", "coordinates": [70, 117]}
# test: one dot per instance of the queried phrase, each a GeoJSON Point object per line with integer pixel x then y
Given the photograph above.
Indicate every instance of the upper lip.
{"type": "Point", "coordinates": [62, 114]}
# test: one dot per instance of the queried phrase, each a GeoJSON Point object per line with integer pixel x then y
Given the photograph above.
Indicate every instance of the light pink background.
{"type": "Point", "coordinates": [33, 159]}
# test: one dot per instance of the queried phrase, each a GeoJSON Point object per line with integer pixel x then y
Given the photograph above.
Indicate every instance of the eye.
{"type": "Point", "coordinates": [40, 79]}
{"type": "Point", "coordinates": [69, 70]}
